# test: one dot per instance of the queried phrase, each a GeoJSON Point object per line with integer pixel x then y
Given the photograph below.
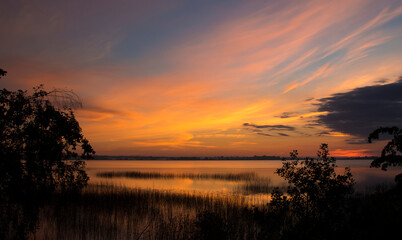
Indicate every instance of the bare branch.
{"type": "Point", "coordinates": [63, 98]}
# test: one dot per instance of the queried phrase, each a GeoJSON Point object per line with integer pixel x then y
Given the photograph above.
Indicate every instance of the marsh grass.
{"type": "Point", "coordinates": [118, 212]}
{"type": "Point", "coordinates": [256, 186]}
{"type": "Point", "coordinates": [111, 212]}
{"type": "Point", "coordinates": [247, 176]}
{"type": "Point", "coordinates": [247, 182]}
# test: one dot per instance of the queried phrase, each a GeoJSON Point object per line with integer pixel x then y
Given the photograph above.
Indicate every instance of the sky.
{"type": "Point", "coordinates": [212, 78]}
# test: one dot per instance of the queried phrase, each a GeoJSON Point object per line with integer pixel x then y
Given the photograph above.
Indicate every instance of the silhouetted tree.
{"type": "Point", "coordinates": [316, 196]}
{"type": "Point", "coordinates": [36, 140]}
{"type": "Point", "coordinates": [389, 155]}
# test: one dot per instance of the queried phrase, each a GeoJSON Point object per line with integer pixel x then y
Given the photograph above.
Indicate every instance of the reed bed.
{"type": "Point", "coordinates": [111, 212]}
{"type": "Point", "coordinates": [256, 186]}
{"type": "Point", "coordinates": [158, 175]}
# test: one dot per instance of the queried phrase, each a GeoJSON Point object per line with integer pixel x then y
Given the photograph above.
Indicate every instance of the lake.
{"type": "Point", "coordinates": [248, 178]}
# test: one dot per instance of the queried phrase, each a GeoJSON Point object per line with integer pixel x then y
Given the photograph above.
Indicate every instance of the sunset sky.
{"type": "Point", "coordinates": [208, 78]}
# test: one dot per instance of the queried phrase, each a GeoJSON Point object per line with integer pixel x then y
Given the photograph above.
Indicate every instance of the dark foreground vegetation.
{"type": "Point", "coordinates": [104, 212]}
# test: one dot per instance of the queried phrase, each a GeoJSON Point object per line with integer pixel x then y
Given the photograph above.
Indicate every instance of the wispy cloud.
{"type": "Point", "coordinates": [383, 17]}
{"type": "Point", "coordinates": [321, 72]}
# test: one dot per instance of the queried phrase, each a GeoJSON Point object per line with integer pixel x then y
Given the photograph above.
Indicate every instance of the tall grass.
{"type": "Point", "coordinates": [256, 186]}
{"type": "Point", "coordinates": [110, 212]}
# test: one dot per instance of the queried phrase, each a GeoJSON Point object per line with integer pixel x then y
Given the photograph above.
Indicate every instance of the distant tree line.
{"type": "Point", "coordinates": [108, 157]}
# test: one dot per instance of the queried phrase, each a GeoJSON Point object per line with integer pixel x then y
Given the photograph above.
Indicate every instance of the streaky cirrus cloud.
{"type": "Point", "coordinates": [321, 72]}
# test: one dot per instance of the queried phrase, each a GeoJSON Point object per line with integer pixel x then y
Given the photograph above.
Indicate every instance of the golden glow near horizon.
{"type": "Point", "coordinates": [158, 79]}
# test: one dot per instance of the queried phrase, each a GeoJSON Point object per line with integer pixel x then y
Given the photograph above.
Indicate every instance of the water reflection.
{"type": "Point", "coordinates": [239, 177]}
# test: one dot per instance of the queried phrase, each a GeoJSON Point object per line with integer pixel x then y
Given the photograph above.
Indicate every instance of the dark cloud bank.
{"type": "Point", "coordinates": [362, 110]}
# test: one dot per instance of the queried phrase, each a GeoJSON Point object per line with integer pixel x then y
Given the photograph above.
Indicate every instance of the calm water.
{"type": "Point", "coordinates": [195, 176]}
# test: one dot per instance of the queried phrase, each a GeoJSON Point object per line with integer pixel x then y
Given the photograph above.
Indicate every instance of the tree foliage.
{"type": "Point", "coordinates": [35, 139]}
{"type": "Point", "coordinates": [39, 154]}
{"type": "Point", "coordinates": [2, 72]}
{"type": "Point", "coordinates": [389, 155]}
{"type": "Point", "coordinates": [316, 193]}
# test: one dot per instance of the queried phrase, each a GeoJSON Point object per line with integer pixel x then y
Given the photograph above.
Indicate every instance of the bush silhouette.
{"type": "Point", "coordinates": [317, 195]}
